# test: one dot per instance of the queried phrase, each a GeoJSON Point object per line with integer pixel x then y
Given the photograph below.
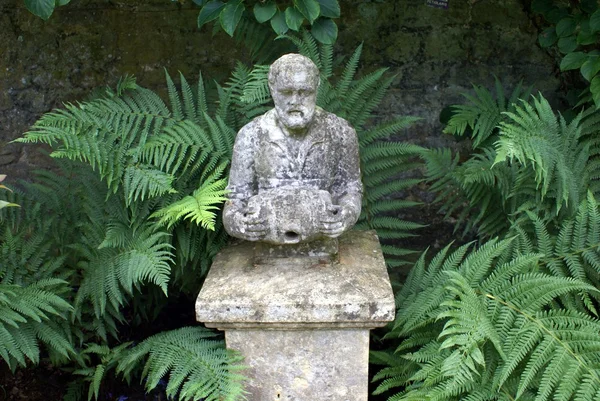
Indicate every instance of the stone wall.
{"type": "Point", "coordinates": [436, 54]}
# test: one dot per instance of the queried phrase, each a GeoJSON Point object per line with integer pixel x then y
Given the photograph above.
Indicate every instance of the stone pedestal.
{"type": "Point", "coordinates": [302, 323]}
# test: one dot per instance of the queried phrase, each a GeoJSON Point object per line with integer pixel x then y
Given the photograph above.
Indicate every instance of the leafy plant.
{"type": "Point", "coordinates": [199, 366]}
{"type": "Point", "coordinates": [486, 325]}
{"type": "Point", "coordinates": [525, 158]}
{"type": "Point", "coordinates": [574, 28]}
{"type": "Point", "coordinates": [282, 17]}
{"type": "Point", "coordinates": [138, 194]}
{"type": "Point", "coordinates": [44, 8]}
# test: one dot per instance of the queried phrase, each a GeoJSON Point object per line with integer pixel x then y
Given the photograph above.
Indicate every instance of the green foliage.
{"type": "Point", "coordinates": [282, 16]}
{"type": "Point", "coordinates": [574, 29]}
{"type": "Point", "coordinates": [132, 211]}
{"type": "Point", "coordinates": [198, 366]}
{"type": "Point", "coordinates": [516, 317]}
{"type": "Point", "coordinates": [525, 158]}
{"type": "Point", "coordinates": [44, 8]}
{"type": "Point", "coordinates": [486, 324]}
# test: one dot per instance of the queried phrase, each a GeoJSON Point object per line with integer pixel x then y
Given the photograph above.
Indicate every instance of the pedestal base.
{"type": "Point", "coordinates": [314, 365]}
{"type": "Point", "coordinates": [301, 324]}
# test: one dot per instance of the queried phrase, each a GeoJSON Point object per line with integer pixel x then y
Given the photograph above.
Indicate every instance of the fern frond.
{"type": "Point", "coordinates": [197, 207]}
{"type": "Point", "coordinates": [198, 366]}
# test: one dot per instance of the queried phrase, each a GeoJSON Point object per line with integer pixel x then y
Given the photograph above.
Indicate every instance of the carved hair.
{"type": "Point", "coordinates": [292, 62]}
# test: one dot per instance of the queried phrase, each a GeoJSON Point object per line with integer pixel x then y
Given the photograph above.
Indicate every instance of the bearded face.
{"type": "Point", "coordinates": [295, 96]}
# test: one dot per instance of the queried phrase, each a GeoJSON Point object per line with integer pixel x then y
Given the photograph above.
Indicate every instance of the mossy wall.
{"type": "Point", "coordinates": [436, 54]}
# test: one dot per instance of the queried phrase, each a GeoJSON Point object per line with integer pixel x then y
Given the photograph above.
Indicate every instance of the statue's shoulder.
{"type": "Point", "coordinates": [336, 125]}
{"type": "Point", "coordinates": [258, 124]}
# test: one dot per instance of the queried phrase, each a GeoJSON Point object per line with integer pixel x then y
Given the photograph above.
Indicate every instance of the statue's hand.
{"type": "Point", "coordinates": [253, 227]}
{"type": "Point", "coordinates": [244, 222]}
{"type": "Point", "coordinates": [336, 220]}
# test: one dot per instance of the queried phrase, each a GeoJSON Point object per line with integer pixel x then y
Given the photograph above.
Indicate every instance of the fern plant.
{"type": "Point", "coordinates": [198, 366]}
{"type": "Point", "coordinates": [525, 158]}
{"type": "Point", "coordinates": [488, 325]}
{"type": "Point", "coordinates": [138, 194]}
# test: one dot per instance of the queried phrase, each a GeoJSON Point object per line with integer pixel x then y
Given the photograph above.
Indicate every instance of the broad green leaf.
{"type": "Point", "coordinates": [595, 21]}
{"type": "Point", "coordinates": [264, 11]}
{"type": "Point", "coordinates": [573, 61]}
{"type": "Point", "coordinates": [309, 8]}
{"type": "Point", "coordinates": [565, 27]}
{"type": "Point", "coordinates": [62, 2]}
{"type": "Point", "coordinates": [293, 18]}
{"type": "Point", "coordinates": [41, 8]}
{"type": "Point", "coordinates": [567, 45]}
{"type": "Point", "coordinates": [325, 31]}
{"type": "Point", "coordinates": [199, 2]}
{"type": "Point", "coordinates": [586, 36]}
{"type": "Point", "coordinates": [591, 67]}
{"type": "Point", "coordinates": [595, 89]}
{"type": "Point", "coordinates": [210, 12]}
{"type": "Point", "coordinates": [278, 23]}
{"type": "Point", "coordinates": [231, 15]}
{"type": "Point", "coordinates": [330, 8]}
{"type": "Point", "coordinates": [548, 37]}
{"type": "Point", "coordinates": [541, 6]}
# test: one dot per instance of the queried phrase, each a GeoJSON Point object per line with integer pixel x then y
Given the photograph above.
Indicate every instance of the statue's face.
{"type": "Point", "coordinates": [295, 96]}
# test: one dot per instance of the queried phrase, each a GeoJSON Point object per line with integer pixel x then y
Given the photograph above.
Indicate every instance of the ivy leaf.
{"type": "Point", "coordinates": [278, 23]}
{"type": "Point", "coordinates": [210, 12]}
{"type": "Point", "coordinates": [41, 8]}
{"type": "Point", "coordinates": [595, 21]}
{"type": "Point", "coordinates": [591, 67]}
{"type": "Point", "coordinates": [548, 37]}
{"type": "Point", "coordinates": [565, 27]}
{"type": "Point", "coordinates": [293, 18]}
{"type": "Point", "coordinates": [595, 89]}
{"type": "Point", "coordinates": [309, 8]}
{"type": "Point", "coordinates": [325, 31]}
{"type": "Point", "coordinates": [330, 8]}
{"type": "Point", "coordinates": [567, 45]}
{"type": "Point", "coordinates": [573, 61]}
{"type": "Point", "coordinates": [264, 11]}
{"type": "Point", "coordinates": [231, 15]}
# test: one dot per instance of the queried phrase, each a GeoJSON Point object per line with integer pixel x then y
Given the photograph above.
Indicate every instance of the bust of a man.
{"type": "Point", "coordinates": [295, 174]}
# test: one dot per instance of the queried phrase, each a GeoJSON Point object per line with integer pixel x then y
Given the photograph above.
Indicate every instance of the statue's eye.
{"type": "Point", "coordinates": [286, 92]}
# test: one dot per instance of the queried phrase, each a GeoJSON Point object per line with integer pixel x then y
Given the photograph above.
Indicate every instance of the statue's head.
{"type": "Point", "coordinates": [293, 81]}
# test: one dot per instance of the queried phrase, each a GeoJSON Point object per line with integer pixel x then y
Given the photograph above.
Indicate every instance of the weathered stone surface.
{"type": "Point", "coordinates": [295, 174]}
{"type": "Point", "coordinates": [297, 293]}
{"type": "Point", "coordinates": [316, 365]}
{"type": "Point", "coordinates": [301, 324]}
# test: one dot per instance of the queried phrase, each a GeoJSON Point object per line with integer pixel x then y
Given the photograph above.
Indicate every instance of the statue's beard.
{"type": "Point", "coordinates": [295, 118]}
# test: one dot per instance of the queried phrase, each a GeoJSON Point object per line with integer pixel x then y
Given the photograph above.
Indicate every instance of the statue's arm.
{"type": "Point", "coordinates": [242, 175]}
{"type": "Point", "coordinates": [242, 186]}
{"type": "Point", "coordinates": [347, 188]}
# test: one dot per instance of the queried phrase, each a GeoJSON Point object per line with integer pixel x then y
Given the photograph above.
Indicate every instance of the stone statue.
{"type": "Point", "coordinates": [295, 174]}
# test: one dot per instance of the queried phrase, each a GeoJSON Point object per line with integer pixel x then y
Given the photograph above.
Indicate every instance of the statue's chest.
{"type": "Point", "coordinates": [295, 159]}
